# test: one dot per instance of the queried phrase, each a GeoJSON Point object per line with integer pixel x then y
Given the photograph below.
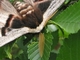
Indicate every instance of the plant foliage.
{"type": "Point", "coordinates": [59, 41]}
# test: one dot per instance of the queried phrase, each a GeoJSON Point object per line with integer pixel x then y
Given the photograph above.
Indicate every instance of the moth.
{"type": "Point", "coordinates": [29, 16]}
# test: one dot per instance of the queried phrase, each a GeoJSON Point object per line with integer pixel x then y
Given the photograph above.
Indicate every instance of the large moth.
{"type": "Point", "coordinates": [26, 17]}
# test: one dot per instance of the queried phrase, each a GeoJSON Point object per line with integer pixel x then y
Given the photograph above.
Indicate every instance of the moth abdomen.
{"type": "Point", "coordinates": [17, 23]}
{"type": "Point", "coordinates": [31, 20]}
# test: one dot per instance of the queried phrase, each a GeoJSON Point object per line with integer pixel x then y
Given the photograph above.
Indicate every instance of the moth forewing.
{"type": "Point", "coordinates": [52, 9]}
{"type": "Point", "coordinates": [55, 4]}
{"type": "Point", "coordinates": [3, 16]}
{"type": "Point", "coordinates": [8, 7]}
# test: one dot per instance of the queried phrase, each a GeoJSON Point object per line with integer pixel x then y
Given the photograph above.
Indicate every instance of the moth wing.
{"type": "Point", "coordinates": [6, 8]}
{"type": "Point", "coordinates": [29, 1]}
{"type": "Point", "coordinates": [3, 17]}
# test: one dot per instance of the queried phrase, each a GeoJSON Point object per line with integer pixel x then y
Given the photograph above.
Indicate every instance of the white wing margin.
{"type": "Point", "coordinates": [55, 4]}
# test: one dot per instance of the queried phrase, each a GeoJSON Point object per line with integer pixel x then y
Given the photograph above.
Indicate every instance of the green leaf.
{"type": "Point", "coordinates": [33, 49]}
{"type": "Point", "coordinates": [55, 39]}
{"type": "Point", "coordinates": [53, 56]}
{"type": "Point", "coordinates": [69, 19]}
{"type": "Point", "coordinates": [47, 46]}
{"type": "Point", "coordinates": [66, 1]}
{"type": "Point", "coordinates": [20, 42]}
{"type": "Point", "coordinates": [54, 31]}
{"type": "Point", "coordinates": [51, 28]}
{"type": "Point", "coordinates": [22, 52]}
{"type": "Point", "coordinates": [8, 51]}
{"type": "Point", "coordinates": [71, 48]}
{"type": "Point", "coordinates": [5, 51]}
{"type": "Point", "coordinates": [2, 53]}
